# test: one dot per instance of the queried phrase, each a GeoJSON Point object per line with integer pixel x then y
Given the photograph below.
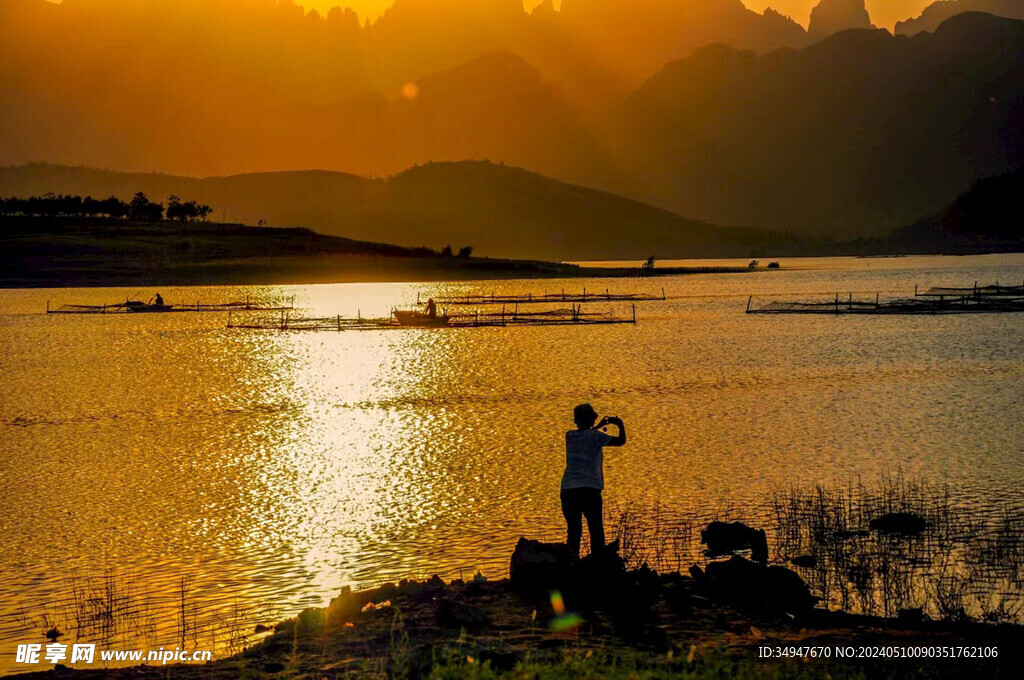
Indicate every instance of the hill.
{"type": "Point", "coordinates": [937, 12]}
{"type": "Point", "coordinates": [53, 252]}
{"type": "Point", "coordinates": [858, 134]}
{"type": "Point", "coordinates": [500, 210]}
{"type": "Point", "coordinates": [227, 87]}
{"type": "Point", "coordinates": [986, 218]}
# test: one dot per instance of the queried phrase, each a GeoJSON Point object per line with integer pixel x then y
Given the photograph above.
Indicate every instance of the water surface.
{"type": "Point", "coordinates": [271, 468]}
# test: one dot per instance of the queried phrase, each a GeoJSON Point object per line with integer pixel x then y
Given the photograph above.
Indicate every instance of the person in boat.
{"type": "Point", "coordinates": [157, 301]}
{"type": "Point", "coordinates": [583, 479]}
{"type": "Point", "coordinates": [431, 309]}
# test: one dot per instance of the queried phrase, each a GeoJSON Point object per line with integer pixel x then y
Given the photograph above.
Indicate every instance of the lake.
{"type": "Point", "coordinates": [263, 470]}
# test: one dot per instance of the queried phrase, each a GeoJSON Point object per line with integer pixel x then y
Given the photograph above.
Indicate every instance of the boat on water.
{"type": "Point", "coordinates": [420, 319]}
{"type": "Point", "coordinates": [138, 306]}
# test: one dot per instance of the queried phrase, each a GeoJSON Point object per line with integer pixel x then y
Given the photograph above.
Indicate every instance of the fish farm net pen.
{"type": "Point", "coordinates": [545, 297]}
{"type": "Point", "coordinates": [988, 299]}
{"type": "Point", "coordinates": [994, 290]}
{"type": "Point", "coordinates": [128, 306]}
{"type": "Point", "coordinates": [574, 317]}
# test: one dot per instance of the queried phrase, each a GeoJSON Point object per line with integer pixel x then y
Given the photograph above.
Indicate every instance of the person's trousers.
{"type": "Point", "coordinates": [580, 503]}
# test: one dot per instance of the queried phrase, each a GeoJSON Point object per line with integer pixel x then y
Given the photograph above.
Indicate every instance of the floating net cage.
{"type": "Point", "coordinates": [136, 307]}
{"type": "Point", "coordinates": [573, 316]}
{"type": "Point", "coordinates": [931, 301]}
{"type": "Point", "coordinates": [543, 298]}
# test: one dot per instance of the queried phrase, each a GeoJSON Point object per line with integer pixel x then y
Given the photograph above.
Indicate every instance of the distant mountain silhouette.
{"type": "Point", "coordinates": [860, 133]}
{"type": "Point", "coordinates": [991, 209]}
{"type": "Point", "coordinates": [989, 217]}
{"type": "Point", "coordinates": [635, 38]}
{"type": "Point", "coordinates": [181, 65]}
{"type": "Point", "coordinates": [500, 210]}
{"type": "Point", "coordinates": [831, 16]}
{"type": "Point", "coordinates": [495, 106]}
{"type": "Point", "coordinates": [937, 12]}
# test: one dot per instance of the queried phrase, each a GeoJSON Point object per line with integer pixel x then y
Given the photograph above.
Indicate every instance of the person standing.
{"type": "Point", "coordinates": [583, 479]}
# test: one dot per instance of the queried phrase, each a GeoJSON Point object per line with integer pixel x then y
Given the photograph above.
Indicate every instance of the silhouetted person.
{"type": "Point", "coordinates": [583, 479]}
{"type": "Point", "coordinates": [158, 300]}
{"type": "Point", "coordinates": [431, 309]}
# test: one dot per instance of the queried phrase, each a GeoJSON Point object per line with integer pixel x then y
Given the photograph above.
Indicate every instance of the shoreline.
{"type": "Point", "coordinates": [298, 272]}
{"type": "Point", "coordinates": [435, 629]}
{"type": "Point", "coordinates": [55, 253]}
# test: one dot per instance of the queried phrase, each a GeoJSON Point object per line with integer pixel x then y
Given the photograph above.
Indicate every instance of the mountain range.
{"type": "Point", "coordinates": [857, 134]}
{"type": "Point", "coordinates": [937, 12]}
{"type": "Point", "coordinates": [499, 210]}
{"type": "Point", "coordinates": [704, 109]}
{"type": "Point", "coordinates": [509, 212]}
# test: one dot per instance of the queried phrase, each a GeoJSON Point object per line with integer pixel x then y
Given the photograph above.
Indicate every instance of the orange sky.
{"type": "Point", "coordinates": [883, 12]}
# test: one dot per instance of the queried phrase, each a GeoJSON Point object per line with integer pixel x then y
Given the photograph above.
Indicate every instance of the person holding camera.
{"type": "Point", "coordinates": [583, 479]}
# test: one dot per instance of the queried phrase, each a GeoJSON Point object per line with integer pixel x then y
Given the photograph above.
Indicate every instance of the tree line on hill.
{"type": "Point", "coordinates": [139, 209]}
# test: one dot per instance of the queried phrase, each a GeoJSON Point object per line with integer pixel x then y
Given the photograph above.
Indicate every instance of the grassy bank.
{"type": "Point", "coordinates": [951, 584]}
{"type": "Point", "coordinates": [402, 631]}
{"type": "Point", "coordinates": [50, 252]}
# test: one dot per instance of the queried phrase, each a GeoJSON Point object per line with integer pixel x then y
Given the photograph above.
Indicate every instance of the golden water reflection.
{"type": "Point", "coordinates": [274, 467]}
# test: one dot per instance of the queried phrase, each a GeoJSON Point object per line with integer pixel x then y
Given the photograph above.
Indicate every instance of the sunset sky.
{"type": "Point", "coordinates": [883, 12]}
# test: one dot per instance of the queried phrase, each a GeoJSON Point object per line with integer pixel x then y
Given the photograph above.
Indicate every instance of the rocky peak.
{"type": "Point", "coordinates": [832, 16]}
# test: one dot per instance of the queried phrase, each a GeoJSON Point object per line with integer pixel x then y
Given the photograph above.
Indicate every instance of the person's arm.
{"type": "Point", "coordinates": [619, 439]}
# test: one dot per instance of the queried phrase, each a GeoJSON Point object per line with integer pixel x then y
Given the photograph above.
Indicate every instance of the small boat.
{"type": "Point", "coordinates": [139, 306]}
{"type": "Point", "coordinates": [412, 318]}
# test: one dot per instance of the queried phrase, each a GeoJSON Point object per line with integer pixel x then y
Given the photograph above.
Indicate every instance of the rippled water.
{"type": "Point", "coordinates": [271, 468]}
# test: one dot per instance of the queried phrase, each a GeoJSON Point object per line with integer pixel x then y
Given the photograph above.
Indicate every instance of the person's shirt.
{"type": "Point", "coordinates": [584, 458]}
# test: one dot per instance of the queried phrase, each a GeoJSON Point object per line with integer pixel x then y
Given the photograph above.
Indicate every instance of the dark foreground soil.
{"type": "Point", "coordinates": [432, 629]}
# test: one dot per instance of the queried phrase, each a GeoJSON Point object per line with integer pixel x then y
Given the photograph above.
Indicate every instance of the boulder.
{"type": "Point", "coordinates": [646, 584]}
{"type": "Point", "coordinates": [600, 567]}
{"type": "Point", "coordinates": [345, 607]}
{"type": "Point", "coordinates": [598, 581]}
{"type": "Point", "coordinates": [538, 568]}
{"type": "Point", "coordinates": [751, 586]}
{"type": "Point", "coordinates": [914, 615]}
{"type": "Point", "coordinates": [903, 523]}
{"type": "Point", "coordinates": [311, 621]}
{"type": "Point", "coordinates": [727, 538]}
{"type": "Point", "coordinates": [422, 591]}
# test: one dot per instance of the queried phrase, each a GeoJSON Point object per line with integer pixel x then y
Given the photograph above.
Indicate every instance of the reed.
{"type": "Point", "coordinates": [963, 565]}
{"type": "Point", "coordinates": [960, 566]}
